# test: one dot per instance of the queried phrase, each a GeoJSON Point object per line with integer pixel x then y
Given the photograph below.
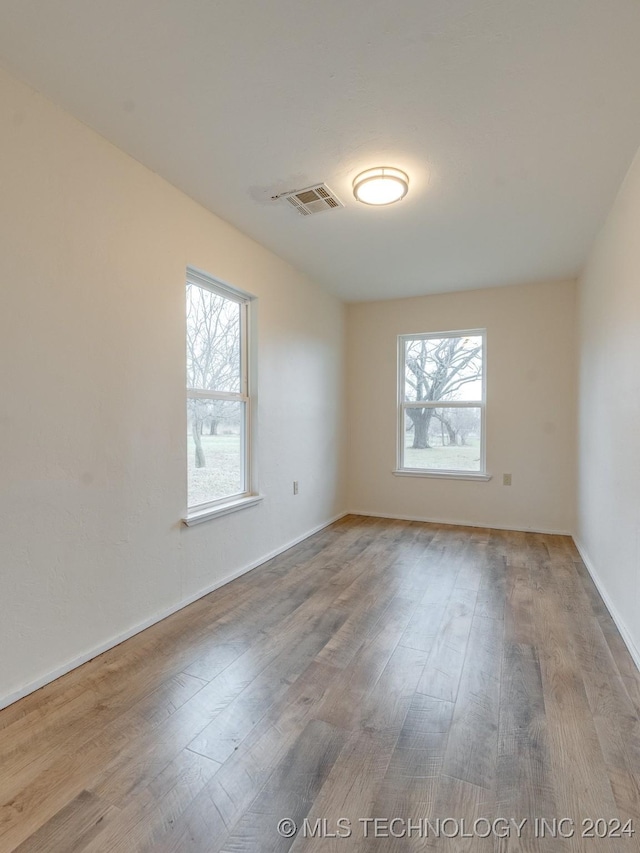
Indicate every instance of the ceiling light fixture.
{"type": "Point", "coordinates": [382, 185]}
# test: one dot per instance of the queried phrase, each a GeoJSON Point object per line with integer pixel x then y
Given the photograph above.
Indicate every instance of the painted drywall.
{"type": "Point", "coordinates": [92, 410]}
{"type": "Point", "coordinates": [608, 525]}
{"type": "Point", "coordinates": [530, 407]}
{"type": "Point", "coordinates": [515, 121]}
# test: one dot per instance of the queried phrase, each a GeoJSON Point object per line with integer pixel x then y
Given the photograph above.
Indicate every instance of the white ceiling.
{"type": "Point", "coordinates": [515, 119]}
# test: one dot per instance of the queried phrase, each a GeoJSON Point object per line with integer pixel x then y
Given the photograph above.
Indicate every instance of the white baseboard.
{"type": "Point", "coordinates": [613, 610]}
{"type": "Point", "coordinates": [458, 523]}
{"type": "Point", "coordinates": [5, 701]}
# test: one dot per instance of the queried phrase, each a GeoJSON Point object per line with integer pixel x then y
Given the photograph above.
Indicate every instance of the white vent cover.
{"type": "Point", "coordinates": [315, 199]}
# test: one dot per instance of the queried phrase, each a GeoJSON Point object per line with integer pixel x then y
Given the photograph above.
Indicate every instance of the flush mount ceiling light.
{"type": "Point", "coordinates": [382, 185]}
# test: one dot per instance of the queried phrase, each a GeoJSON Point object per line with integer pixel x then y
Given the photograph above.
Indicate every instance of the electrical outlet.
{"type": "Point", "coordinates": [295, 487]}
{"type": "Point", "coordinates": [506, 479]}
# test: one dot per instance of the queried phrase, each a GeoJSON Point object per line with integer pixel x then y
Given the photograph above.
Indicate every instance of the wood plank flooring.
{"type": "Point", "coordinates": [445, 677]}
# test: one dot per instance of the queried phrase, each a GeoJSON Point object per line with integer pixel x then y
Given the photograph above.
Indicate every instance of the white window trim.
{"type": "Point", "coordinates": [442, 474]}
{"type": "Point", "coordinates": [204, 513]}
{"type": "Point", "coordinates": [249, 497]}
{"type": "Point", "coordinates": [439, 473]}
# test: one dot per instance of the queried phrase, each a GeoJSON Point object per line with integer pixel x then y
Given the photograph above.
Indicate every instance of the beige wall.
{"type": "Point", "coordinates": [530, 407]}
{"type": "Point", "coordinates": [92, 410]}
{"type": "Point", "coordinates": [608, 529]}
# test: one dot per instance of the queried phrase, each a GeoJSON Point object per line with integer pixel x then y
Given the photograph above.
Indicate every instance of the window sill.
{"type": "Point", "coordinates": [197, 516]}
{"type": "Point", "coordinates": [444, 475]}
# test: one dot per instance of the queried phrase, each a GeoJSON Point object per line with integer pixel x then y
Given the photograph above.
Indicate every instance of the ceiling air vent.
{"type": "Point", "coordinates": [315, 199]}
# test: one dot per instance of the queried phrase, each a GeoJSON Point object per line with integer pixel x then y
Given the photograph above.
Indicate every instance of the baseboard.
{"type": "Point", "coordinates": [5, 701]}
{"type": "Point", "coordinates": [458, 523]}
{"type": "Point", "coordinates": [615, 615]}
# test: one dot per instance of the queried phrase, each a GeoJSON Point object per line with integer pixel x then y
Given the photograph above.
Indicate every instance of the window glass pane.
{"type": "Point", "coordinates": [443, 439]}
{"type": "Point", "coordinates": [215, 442]}
{"type": "Point", "coordinates": [213, 341]}
{"type": "Point", "coordinates": [443, 369]}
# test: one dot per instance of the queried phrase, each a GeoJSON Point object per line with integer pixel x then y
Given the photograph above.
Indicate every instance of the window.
{"type": "Point", "coordinates": [441, 412]}
{"type": "Point", "coordinates": [218, 404]}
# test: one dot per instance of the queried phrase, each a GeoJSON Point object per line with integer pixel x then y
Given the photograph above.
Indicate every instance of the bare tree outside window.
{"type": "Point", "coordinates": [442, 402]}
{"type": "Point", "coordinates": [216, 394]}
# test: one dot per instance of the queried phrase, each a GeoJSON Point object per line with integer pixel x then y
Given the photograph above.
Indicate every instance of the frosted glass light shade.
{"type": "Point", "coordinates": [382, 185]}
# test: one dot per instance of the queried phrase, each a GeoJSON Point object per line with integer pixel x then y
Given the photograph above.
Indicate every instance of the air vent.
{"type": "Point", "coordinates": [316, 199]}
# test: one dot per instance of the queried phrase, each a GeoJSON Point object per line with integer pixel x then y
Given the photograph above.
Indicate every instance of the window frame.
{"type": "Point", "coordinates": [403, 405]}
{"type": "Point", "coordinates": [248, 496]}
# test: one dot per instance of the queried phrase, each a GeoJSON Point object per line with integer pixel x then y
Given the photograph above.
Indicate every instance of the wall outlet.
{"type": "Point", "coordinates": [506, 479]}
{"type": "Point", "coordinates": [295, 487]}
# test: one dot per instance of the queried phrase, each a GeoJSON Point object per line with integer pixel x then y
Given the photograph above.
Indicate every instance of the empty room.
{"type": "Point", "coordinates": [320, 395]}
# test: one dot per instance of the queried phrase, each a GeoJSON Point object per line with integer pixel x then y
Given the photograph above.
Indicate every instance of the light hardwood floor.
{"type": "Point", "coordinates": [379, 669]}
